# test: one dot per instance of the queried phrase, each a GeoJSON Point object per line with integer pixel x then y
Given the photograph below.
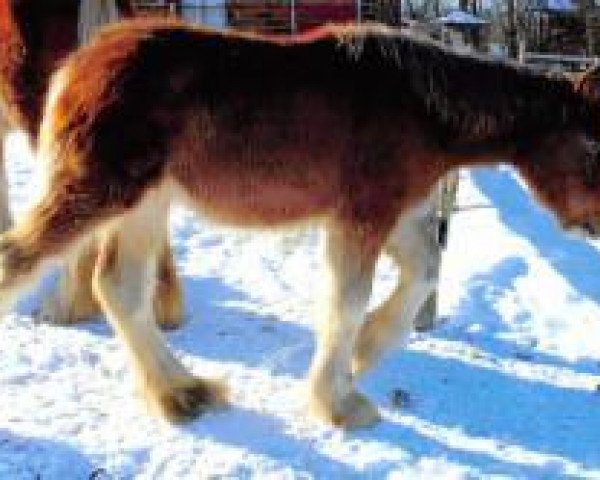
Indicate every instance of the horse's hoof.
{"type": "Point", "coordinates": [190, 398]}
{"type": "Point", "coordinates": [65, 307]}
{"type": "Point", "coordinates": [169, 323]}
{"type": "Point", "coordinates": [354, 411]}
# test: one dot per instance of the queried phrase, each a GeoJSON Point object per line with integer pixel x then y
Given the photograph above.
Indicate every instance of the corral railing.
{"type": "Point", "coordinates": [276, 16]}
{"type": "Point", "coordinates": [558, 62]}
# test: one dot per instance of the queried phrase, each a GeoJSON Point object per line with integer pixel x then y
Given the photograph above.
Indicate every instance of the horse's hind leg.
{"type": "Point", "coordinates": [351, 254]}
{"type": "Point", "coordinates": [414, 247]}
{"type": "Point", "coordinates": [73, 301]}
{"type": "Point", "coordinates": [124, 282]}
{"type": "Point", "coordinates": [62, 220]}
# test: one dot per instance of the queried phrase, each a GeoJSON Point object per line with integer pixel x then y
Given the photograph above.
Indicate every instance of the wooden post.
{"type": "Point", "coordinates": [591, 27]}
{"type": "Point", "coordinates": [411, 9]}
{"type": "Point", "coordinates": [522, 50]}
{"type": "Point", "coordinates": [586, 8]}
{"type": "Point", "coordinates": [293, 26]}
{"type": "Point", "coordinates": [512, 29]}
{"type": "Point", "coordinates": [399, 12]}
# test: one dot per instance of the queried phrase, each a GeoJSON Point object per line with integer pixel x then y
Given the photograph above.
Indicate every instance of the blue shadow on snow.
{"type": "Point", "coordinates": [577, 261]}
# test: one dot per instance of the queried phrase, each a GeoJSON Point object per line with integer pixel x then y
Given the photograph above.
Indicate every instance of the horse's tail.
{"type": "Point", "coordinates": [65, 214]}
{"type": "Point", "coordinates": [88, 187]}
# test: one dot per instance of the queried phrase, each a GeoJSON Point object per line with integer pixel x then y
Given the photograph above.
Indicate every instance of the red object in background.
{"type": "Point", "coordinates": [4, 16]}
{"type": "Point", "coordinates": [275, 16]}
{"type": "Point", "coordinates": [311, 13]}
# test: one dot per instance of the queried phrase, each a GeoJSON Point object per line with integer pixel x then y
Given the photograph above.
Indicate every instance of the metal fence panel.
{"type": "Point", "coordinates": [275, 16]}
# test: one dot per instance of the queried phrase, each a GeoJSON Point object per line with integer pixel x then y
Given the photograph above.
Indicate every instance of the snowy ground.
{"type": "Point", "coordinates": [507, 388]}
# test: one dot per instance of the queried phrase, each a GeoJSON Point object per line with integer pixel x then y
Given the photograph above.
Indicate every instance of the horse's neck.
{"type": "Point", "coordinates": [476, 111]}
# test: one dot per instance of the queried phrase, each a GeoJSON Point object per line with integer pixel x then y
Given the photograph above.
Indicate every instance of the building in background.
{"type": "Point", "coordinates": [462, 30]}
{"type": "Point", "coordinates": [206, 12]}
{"type": "Point", "coordinates": [562, 26]}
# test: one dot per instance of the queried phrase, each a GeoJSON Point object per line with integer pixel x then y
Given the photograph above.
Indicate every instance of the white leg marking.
{"type": "Point", "coordinates": [125, 281]}
{"type": "Point", "coordinates": [413, 245]}
{"type": "Point", "coordinates": [332, 391]}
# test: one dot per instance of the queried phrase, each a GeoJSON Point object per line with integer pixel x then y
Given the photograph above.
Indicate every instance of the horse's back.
{"type": "Point", "coordinates": [156, 92]}
{"type": "Point", "coordinates": [256, 130]}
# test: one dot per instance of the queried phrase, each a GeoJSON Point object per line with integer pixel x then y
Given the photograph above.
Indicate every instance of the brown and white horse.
{"type": "Point", "coordinates": [350, 126]}
{"type": "Point", "coordinates": [34, 37]}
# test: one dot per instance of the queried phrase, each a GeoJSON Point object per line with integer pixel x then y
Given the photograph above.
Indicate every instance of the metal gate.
{"type": "Point", "coordinates": [276, 16]}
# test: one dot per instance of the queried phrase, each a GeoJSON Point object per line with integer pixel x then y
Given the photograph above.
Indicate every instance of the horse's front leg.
{"type": "Point", "coordinates": [351, 254]}
{"type": "Point", "coordinates": [5, 216]}
{"type": "Point", "coordinates": [414, 247]}
{"type": "Point", "coordinates": [124, 282]}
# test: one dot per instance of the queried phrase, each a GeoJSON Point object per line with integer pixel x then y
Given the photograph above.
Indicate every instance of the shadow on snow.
{"type": "Point", "coordinates": [556, 424]}
{"type": "Point", "coordinates": [577, 261]}
{"type": "Point", "coordinates": [29, 458]}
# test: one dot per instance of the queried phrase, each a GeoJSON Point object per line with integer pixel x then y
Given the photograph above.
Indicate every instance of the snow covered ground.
{"type": "Point", "coordinates": [509, 387]}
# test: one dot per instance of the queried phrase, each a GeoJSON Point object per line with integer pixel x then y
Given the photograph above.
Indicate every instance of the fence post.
{"type": "Point", "coordinates": [522, 55]}
{"type": "Point", "coordinates": [293, 26]}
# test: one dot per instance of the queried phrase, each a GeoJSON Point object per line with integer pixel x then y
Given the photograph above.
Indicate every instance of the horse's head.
{"type": "Point", "coordinates": [564, 167]}
{"type": "Point", "coordinates": [564, 172]}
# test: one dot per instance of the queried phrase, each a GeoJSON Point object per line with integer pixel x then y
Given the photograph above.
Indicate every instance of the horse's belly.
{"type": "Point", "coordinates": [259, 179]}
{"type": "Point", "coordinates": [261, 203]}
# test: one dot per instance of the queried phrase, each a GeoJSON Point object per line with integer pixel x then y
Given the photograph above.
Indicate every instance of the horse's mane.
{"type": "Point", "coordinates": [471, 97]}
